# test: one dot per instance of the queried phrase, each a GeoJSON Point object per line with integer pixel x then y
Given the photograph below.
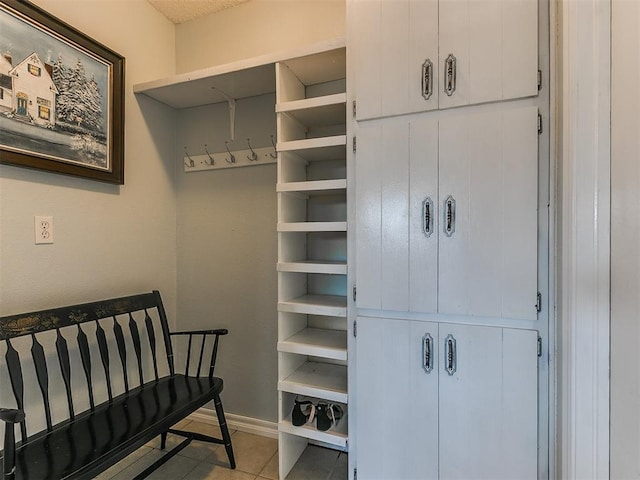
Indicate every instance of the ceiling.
{"type": "Point", "coordinates": [179, 11]}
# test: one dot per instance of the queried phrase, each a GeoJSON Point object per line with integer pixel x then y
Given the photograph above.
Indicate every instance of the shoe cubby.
{"type": "Point", "coordinates": [312, 246]}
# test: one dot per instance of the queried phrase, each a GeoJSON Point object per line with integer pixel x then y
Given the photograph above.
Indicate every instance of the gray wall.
{"type": "Point", "coordinates": [625, 241]}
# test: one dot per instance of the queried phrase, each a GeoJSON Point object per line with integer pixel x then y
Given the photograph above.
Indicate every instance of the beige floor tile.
{"type": "Point", "coordinates": [270, 470]}
{"type": "Point", "coordinates": [251, 452]}
{"type": "Point", "coordinates": [175, 468]}
{"type": "Point", "coordinates": [315, 463]}
{"type": "Point", "coordinates": [341, 469]}
{"type": "Point", "coordinates": [196, 450]}
{"type": "Point", "coordinates": [205, 471]}
{"type": "Point", "coordinates": [137, 467]}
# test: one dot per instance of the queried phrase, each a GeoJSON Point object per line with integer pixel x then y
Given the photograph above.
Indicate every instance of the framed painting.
{"type": "Point", "coordinates": [61, 97]}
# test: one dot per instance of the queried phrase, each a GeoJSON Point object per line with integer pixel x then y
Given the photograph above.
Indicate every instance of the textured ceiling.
{"type": "Point", "coordinates": [179, 11]}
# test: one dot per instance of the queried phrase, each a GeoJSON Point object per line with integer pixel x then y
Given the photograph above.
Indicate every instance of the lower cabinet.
{"type": "Point", "coordinates": [442, 400]}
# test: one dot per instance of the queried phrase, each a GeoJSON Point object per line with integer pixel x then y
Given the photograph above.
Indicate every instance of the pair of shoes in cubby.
{"type": "Point", "coordinates": [326, 415]}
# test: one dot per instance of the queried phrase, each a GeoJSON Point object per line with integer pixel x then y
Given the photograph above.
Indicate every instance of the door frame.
{"type": "Point", "coordinates": [582, 99]}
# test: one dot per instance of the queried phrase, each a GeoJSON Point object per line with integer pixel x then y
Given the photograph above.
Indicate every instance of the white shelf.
{"type": "Point", "coordinates": [328, 305]}
{"type": "Point", "coordinates": [314, 266]}
{"type": "Point", "coordinates": [317, 111]}
{"type": "Point", "coordinates": [317, 342]}
{"type": "Point", "coordinates": [321, 380]}
{"type": "Point", "coordinates": [315, 144]}
{"type": "Point", "coordinates": [242, 79]}
{"type": "Point", "coordinates": [318, 187]}
{"type": "Point", "coordinates": [336, 436]}
{"type": "Point", "coordinates": [312, 227]}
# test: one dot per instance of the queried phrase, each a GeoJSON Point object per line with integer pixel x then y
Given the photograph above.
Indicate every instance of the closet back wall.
{"type": "Point", "coordinates": [227, 218]}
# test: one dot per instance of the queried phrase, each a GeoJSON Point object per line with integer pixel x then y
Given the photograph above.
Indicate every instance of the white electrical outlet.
{"type": "Point", "coordinates": [43, 229]}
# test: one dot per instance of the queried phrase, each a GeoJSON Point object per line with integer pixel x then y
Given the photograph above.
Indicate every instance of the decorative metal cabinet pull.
{"type": "Point", "coordinates": [450, 75]}
{"type": "Point", "coordinates": [449, 216]}
{"type": "Point", "coordinates": [450, 354]}
{"type": "Point", "coordinates": [427, 353]}
{"type": "Point", "coordinates": [427, 79]}
{"type": "Point", "coordinates": [427, 216]}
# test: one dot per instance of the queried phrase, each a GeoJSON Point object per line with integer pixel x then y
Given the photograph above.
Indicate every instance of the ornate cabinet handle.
{"type": "Point", "coordinates": [450, 354]}
{"type": "Point", "coordinates": [449, 216]}
{"type": "Point", "coordinates": [427, 216]}
{"type": "Point", "coordinates": [427, 79]}
{"type": "Point", "coordinates": [427, 353]}
{"type": "Point", "coordinates": [450, 75]}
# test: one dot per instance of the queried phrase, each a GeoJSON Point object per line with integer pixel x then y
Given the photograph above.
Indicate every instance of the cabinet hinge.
{"type": "Point", "coordinates": [539, 302]}
{"type": "Point", "coordinates": [539, 80]}
{"type": "Point", "coordinates": [354, 292]}
{"type": "Point", "coordinates": [354, 144]}
{"type": "Point", "coordinates": [539, 346]}
{"type": "Point", "coordinates": [353, 105]}
{"type": "Point", "coordinates": [355, 474]}
{"type": "Point", "coordinates": [539, 124]}
{"type": "Point", "coordinates": [355, 328]}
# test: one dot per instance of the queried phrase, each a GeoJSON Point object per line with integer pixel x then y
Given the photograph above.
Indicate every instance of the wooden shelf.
{"type": "Point", "coordinates": [317, 111]}
{"type": "Point", "coordinates": [312, 227]}
{"type": "Point", "coordinates": [336, 436]}
{"type": "Point", "coordinates": [321, 145]}
{"type": "Point", "coordinates": [328, 305]}
{"type": "Point", "coordinates": [317, 342]}
{"type": "Point", "coordinates": [314, 266]}
{"type": "Point", "coordinates": [245, 78]}
{"type": "Point", "coordinates": [315, 379]}
{"type": "Point", "coordinates": [318, 187]}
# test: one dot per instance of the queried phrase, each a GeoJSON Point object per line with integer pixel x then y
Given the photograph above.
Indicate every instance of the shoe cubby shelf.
{"type": "Point", "coordinates": [312, 205]}
{"type": "Point", "coordinates": [336, 436]}
{"type": "Point", "coordinates": [318, 187]}
{"type": "Point", "coordinates": [317, 111]}
{"type": "Point", "coordinates": [313, 266]}
{"type": "Point", "coordinates": [329, 305]}
{"type": "Point", "coordinates": [317, 342]}
{"type": "Point", "coordinates": [317, 379]}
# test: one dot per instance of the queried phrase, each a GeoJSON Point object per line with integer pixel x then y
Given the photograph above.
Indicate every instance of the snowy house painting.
{"type": "Point", "coordinates": [34, 91]}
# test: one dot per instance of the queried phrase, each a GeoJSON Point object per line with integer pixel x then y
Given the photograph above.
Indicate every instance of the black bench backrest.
{"type": "Point", "coordinates": [103, 349]}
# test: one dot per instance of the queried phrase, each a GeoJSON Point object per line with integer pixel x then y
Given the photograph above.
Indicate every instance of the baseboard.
{"type": "Point", "coordinates": [238, 422]}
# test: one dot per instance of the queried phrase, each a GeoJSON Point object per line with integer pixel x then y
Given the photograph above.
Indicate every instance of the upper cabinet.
{"type": "Point", "coordinates": [420, 55]}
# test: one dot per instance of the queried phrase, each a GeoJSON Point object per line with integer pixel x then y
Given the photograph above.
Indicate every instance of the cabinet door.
{"type": "Point", "coordinates": [396, 60]}
{"type": "Point", "coordinates": [488, 404]}
{"type": "Point", "coordinates": [488, 166]}
{"type": "Point", "coordinates": [396, 399]}
{"type": "Point", "coordinates": [396, 188]}
{"type": "Point", "coordinates": [495, 47]}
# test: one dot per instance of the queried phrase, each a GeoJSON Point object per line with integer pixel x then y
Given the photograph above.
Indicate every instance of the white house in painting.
{"type": "Point", "coordinates": [6, 84]}
{"type": "Point", "coordinates": [34, 93]}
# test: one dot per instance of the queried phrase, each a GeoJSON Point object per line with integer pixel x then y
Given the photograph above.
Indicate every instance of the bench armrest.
{"type": "Point", "coordinates": [213, 335]}
{"type": "Point", "coordinates": [10, 416]}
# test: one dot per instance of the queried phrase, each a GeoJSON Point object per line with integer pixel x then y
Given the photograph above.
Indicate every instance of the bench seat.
{"type": "Point", "coordinates": [96, 440]}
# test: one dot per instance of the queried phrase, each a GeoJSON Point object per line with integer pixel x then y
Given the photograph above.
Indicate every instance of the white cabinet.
{"type": "Point", "coordinates": [438, 400]}
{"type": "Point", "coordinates": [446, 213]}
{"type": "Point", "coordinates": [419, 55]}
{"type": "Point", "coordinates": [312, 246]}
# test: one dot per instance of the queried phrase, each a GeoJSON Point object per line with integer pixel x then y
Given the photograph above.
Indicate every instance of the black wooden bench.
{"type": "Point", "coordinates": [87, 394]}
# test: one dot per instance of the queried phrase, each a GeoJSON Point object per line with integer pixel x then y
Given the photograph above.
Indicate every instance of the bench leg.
{"type": "Point", "coordinates": [163, 440]}
{"type": "Point", "coordinates": [225, 431]}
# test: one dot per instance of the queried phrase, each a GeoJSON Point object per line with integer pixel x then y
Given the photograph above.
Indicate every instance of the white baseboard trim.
{"type": "Point", "coordinates": [238, 422]}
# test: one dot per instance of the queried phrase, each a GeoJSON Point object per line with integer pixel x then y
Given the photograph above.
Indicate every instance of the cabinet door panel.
{"type": "Point", "coordinates": [488, 164]}
{"type": "Point", "coordinates": [488, 407]}
{"type": "Point", "coordinates": [396, 401]}
{"type": "Point", "coordinates": [495, 43]}
{"type": "Point", "coordinates": [423, 185]}
{"type": "Point", "coordinates": [365, 40]}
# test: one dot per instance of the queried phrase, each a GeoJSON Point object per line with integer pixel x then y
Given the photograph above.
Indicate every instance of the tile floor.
{"type": "Point", "coordinates": [256, 459]}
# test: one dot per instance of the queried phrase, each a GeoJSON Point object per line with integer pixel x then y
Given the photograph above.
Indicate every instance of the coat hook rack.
{"type": "Point", "coordinates": [273, 155]}
{"type": "Point", "coordinates": [254, 156]}
{"type": "Point", "coordinates": [232, 158]}
{"type": "Point", "coordinates": [191, 162]}
{"type": "Point", "coordinates": [211, 160]}
{"type": "Point", "coordinates": [228, 158]}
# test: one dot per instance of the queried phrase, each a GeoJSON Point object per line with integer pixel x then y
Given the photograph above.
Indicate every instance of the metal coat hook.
{"type": "Point", "coordinates": [211, 161]}
{"type": "Point", "coordinates": [254, 155]}
{"type": "Point", "coordinates": [232, 158]}
{"type": "Point", "coordinates": [275, 152]}
{"type": "Point", "coordinates": [191, 163]}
